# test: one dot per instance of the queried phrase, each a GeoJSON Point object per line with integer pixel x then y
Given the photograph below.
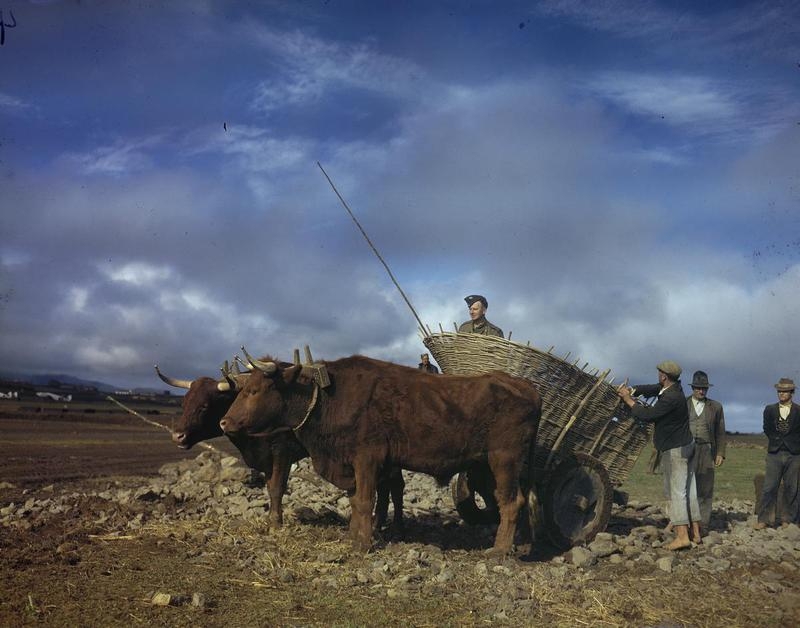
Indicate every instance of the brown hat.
{"type": "Point", "coordinates": [700, 380]}
{"type": "Point", "coordinates": [671, 368]}
{"type": "Point", "coordinates": [785, 385]}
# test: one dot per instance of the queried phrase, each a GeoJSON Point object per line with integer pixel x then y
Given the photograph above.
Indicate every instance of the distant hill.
{"type": "Point", "coordinates": [45, 378]}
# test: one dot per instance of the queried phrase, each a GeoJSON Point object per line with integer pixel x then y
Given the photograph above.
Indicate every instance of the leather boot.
{"type": "Point", "coordinates": [697, 534]}
{"type": "Point", "coordinates": [681, 540]}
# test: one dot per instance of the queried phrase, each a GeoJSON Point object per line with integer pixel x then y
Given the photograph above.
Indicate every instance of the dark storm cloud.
{"type": "Point", "coordinates": [167, 205]}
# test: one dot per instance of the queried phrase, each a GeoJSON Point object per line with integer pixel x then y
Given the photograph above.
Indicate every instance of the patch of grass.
{"type": "Point", "coordinates": [734, 479]}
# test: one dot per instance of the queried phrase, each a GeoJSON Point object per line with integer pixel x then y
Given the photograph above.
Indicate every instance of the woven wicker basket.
{"type": "Point", "coordinates": [581, 412]}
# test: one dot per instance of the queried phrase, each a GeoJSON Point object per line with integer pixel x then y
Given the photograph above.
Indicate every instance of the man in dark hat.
{"type": "Point", "coordinates": [782, 427]}
{"type": "Point", "coordinates": [674, 442]}
{"type": "Point", "coordinates": [425, 364]}
{"type": "Point", "coordinates": [478, 324]}
{"type": "Point", "coordinates": [707, 424]}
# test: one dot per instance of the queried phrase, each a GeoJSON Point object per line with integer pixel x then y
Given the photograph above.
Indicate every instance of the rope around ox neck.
{"type": "Point", "coordinates": [311, 406]}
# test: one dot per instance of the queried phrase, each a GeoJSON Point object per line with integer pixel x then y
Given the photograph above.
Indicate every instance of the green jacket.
{"type": "Point", "coordinates": [484, 327]}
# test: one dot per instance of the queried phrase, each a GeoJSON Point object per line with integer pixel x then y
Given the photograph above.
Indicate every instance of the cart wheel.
{"type": "Point", "coordinates": [577, 501]}
{"type": "Point", "coordinates": [464, 489]}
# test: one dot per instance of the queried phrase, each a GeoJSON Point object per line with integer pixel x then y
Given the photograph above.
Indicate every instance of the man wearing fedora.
{"type": "Point", "coordinates": [782, 427]}
{"type": "Point", "coordinates": [673, 439]}
{"type": "Point", "coordinates": [477, 323]}
{"type": "Point", "coordinates": [707, 424]}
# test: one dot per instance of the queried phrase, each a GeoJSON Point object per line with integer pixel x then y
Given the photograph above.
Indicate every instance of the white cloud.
{"type": "Point", "coordinates": [309, 66]}
{"type": "Point", "coordinates": [120, 158]}
{"type": "Point", "coordinates": [753, 28]}
{"type": "Point", "coordinates": [107, 356]}
{"type": "Point", "coordinates": [13, 104]}
{"type": "Point", "coordinates": [77, 298]}
{"type": "Point", "coordinates": [137, 273]}
{"type": "Point", "coordinates": [677, 100]}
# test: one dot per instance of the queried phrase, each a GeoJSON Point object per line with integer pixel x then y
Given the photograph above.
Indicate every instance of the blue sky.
{"type": "Point", "coordinates": [621, 180]}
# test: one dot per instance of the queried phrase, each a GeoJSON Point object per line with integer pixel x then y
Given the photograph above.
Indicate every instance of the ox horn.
{"type": "Point", "coordinates": [178, 383]}
{"type": "Point", "coordinates": [296, 357]}
{"type": "Point", "coordinates": [309, 359]}
{"type": "Point", "coordinates": [267, 367]}
{"type": "Point", "coordinates": [229, 382]}
{"type": "Point", "coordinates": [237, 360]}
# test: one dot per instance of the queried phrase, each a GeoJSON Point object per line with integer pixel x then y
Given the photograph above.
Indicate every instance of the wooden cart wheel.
{"type": "Point", "coordinates": [577, 500]}
{"type": "Point", "coordinates": [464, 489]}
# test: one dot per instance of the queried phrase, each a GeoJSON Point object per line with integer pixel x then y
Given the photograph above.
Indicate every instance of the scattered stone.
{"type": "Point", "coordinates": [604, 547]}
{"type": "Point", "coordinates": [581, 557]}
{"type": "Point", "coordinates": [666, 563]}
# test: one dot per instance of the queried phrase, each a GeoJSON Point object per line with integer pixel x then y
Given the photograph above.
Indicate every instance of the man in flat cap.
{"type": "Point", "coordinates": [707, 424]}
{"type": "Point", "coordinates": [478, 324]}
{"type": "Point", "coordinates": [782, 427]}
{"type": "Point", "coordinates": [675, 444]}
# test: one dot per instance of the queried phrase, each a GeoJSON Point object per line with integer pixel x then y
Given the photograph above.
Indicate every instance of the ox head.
{"type": "Point", "coordinates": [205, 403]}
{"type": "Point", "coordinates": [262, 401]}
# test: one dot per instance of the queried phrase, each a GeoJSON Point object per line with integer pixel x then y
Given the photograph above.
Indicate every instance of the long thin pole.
{"type": "Point", "coordinates": [154, 423]}
{"type": "Point", "coordinates": [374, 250]}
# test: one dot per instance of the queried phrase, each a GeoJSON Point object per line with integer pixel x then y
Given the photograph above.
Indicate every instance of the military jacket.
{"type": "Point", "coordinates": [485, 328]}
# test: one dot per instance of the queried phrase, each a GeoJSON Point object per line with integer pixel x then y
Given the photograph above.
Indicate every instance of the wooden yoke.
{"type": "Point", "coordinates": [315, 371]}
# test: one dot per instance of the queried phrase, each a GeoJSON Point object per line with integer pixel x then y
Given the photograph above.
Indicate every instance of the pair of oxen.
{"type": "Point", "coordinates": [363, 420]}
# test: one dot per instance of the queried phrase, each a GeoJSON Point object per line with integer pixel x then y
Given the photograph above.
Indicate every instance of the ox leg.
{"type": "Point", "coordinates": [362, 503]}
{"type": "Point", "coordinates": [509, 501]}
{"type": "Point", "coordinates": [382, 503]}
{"type": "Point", "coordinates": [276, 486]}
{"type": "Point", "coordinates": [390, 482]}
{"type": "Point", "coordinates": [397, 485]}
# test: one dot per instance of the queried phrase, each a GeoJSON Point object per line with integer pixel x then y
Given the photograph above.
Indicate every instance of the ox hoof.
{"type": "Point", "coordinates": [361, 545]}
{"type": "Point", "coordinates": [499, 552]}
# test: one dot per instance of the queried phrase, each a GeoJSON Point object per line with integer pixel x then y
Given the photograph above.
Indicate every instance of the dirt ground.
{"type": "Point", "coordinates": [83, 567]}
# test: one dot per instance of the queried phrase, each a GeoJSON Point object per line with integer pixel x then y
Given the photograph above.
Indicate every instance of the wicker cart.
{"type": "Point", "coordinates": [584, 447]}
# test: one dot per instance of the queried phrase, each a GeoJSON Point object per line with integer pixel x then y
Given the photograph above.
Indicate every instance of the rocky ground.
{"type": "Point", "coordinates": [193, 545]}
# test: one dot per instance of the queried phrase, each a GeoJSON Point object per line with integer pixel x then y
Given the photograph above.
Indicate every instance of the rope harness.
{"type": "Point", "coordinates": [311, 407]}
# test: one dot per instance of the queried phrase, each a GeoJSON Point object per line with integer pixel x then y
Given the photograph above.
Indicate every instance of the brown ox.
{"type": "Point", "coordinates": [206, 402]}
{"type": "Point", "coordinates": [376, 415]}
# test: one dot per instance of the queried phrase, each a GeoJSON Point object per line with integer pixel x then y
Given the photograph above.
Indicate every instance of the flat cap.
{"type": "Point", "coordinates": [671, 368]}
{"type": "Point", "coordinates": [476, 297]}
{"type": "Point", "coordinates": [785, 385]}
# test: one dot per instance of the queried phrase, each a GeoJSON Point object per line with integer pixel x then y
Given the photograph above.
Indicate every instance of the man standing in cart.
{"type": "Point", "coordinates": [425, 364]}
{"type": "Point", "coordinates": [707, 424]}
{"type": "Point", "coordinates": [478, 324]}
{"type": "Point", "coordinates": [674, 441]}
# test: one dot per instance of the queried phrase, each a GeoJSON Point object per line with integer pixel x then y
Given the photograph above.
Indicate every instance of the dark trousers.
{"type": "Point", "coordinates": [704, 476]}
{"type": "Point", "coordinates": [781, 466]}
